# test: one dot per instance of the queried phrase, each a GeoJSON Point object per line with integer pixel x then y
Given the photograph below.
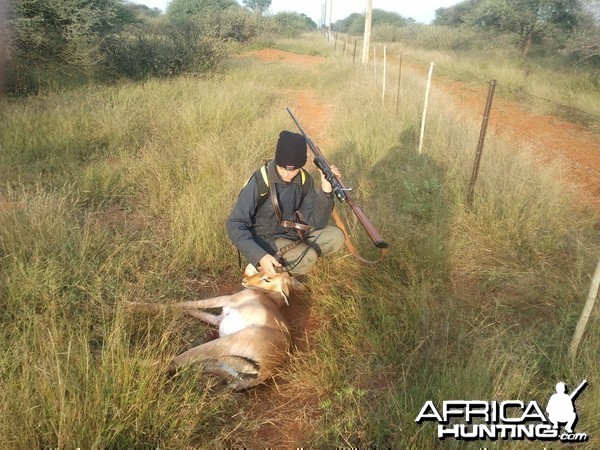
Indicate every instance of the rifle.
{"type": "Point", "coordinates": [577, 390]}
{"type": "Point", "coordinates": [341, 193]}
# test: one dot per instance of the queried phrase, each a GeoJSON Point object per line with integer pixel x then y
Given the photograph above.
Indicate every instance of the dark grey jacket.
{"type": "Point", "coordinates": [252, 225]}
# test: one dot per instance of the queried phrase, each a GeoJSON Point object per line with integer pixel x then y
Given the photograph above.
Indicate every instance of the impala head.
{"type": "Point", "coordinates": [253, 279]}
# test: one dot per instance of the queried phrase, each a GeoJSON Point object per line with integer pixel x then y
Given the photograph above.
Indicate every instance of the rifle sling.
{"type": "Point", "coordinates": [350, 246]}
{"type": "Point", "coordinates": [301, 228]}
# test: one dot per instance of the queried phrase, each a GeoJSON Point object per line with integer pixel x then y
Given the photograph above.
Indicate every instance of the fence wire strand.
{"type": "Point", "coordinates": [520, 91]}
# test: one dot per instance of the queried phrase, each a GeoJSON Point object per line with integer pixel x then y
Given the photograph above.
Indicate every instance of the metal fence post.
{"type": "Point", "coordinates": [484, 125]}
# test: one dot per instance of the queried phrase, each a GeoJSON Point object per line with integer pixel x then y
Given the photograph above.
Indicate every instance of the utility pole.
{"type": "Point", "coordinates": [322, 23]}
{"type": "Point", "coordinates": [330, 18]}
{"type": "Point", "coordinates": [367, 37]}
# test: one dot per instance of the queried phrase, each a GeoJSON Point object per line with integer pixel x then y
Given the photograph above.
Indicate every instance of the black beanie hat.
{"type": "Point", "coordinates": [291, 150]}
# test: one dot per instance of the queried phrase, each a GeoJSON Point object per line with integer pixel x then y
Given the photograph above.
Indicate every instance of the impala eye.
{"type": "Point", "coordinates": [266, 279]}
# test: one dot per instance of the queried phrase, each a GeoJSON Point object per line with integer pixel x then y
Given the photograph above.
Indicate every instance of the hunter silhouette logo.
{"type": "Point", "coordinates": [511, 419]}
{"type": "Point", "coordinates": [561, 407]}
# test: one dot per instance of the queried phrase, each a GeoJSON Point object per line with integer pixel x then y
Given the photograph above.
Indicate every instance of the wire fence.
{"type": "Point", "coordinates": [378, 63]}
{"type": "Point", "coordinates": [492, 85]}
{"type": "Point", "coordinates": [351, 48]}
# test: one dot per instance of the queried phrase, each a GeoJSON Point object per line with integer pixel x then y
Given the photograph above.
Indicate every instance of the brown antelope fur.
{"type": "Point", "coordinates": [254, 338]}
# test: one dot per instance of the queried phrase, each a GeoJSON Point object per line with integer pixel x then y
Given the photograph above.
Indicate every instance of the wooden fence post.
{"type": "Point", "coordinates": [399, 79]}
{"type": "Point", "coordinates": [425, 108]}
{"type": "Point", "coordinates": [384, 73]}
{"type": "Point", "coordinates": [374, 62]}
{"type": "Point", "coordinates": [585, 314]}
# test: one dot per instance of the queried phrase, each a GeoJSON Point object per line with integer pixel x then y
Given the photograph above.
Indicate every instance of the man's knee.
{"type": "Point", "coordinates": [301, 263]}
{"type": "Point", "coordinates": [338, 239]}
{"type": "Point", "coordinates": [329, 240]}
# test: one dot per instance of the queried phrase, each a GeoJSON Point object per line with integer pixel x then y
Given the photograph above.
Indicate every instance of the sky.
{"type": "Point", "coordinates": [423, 11]}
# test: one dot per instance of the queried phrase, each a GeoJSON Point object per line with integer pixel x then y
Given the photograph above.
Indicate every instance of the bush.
{"type": "Point", "coordinates": [238, 25]}
{"type": "Point", "coordinates": [292, 24]}
{"type": "Point", "coordinates": [434, 37]}
{"type": "Point", "coordinates": [58, 42]}
{"type": "Point", "coordinates": [355, 23]}
{"type": "Point", "coordinates": [165, 49]}
{"type": "Point", "coordinates": [386, 33]}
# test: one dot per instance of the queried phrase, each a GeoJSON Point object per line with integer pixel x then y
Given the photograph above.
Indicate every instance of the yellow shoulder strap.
{"type": "Point", "coordinates": [263, 171]}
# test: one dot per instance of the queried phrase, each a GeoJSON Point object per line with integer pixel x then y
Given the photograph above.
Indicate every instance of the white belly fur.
{"type": "Point", "coordinates": [232, 322]}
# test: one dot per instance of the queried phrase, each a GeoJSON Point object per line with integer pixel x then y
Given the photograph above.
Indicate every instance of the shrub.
{"type": "Point", "coordinates": [386, 33]}
{"type": "Point", "coordinates": [240, 25]}
{"type": "Point", "coordinates": [165, 49]}
{"type": "Point", "coordinates": [57, 42]}
{"type": "Point", "coordinates": [292, 24]}
{"type": "Point", "coordinates": [434, 37]}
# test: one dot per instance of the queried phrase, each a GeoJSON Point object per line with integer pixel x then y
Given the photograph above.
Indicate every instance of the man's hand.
{"type": "Point", "coordinates": [326, 185]}
{"type": "Point", "coordinates": [267, 264]}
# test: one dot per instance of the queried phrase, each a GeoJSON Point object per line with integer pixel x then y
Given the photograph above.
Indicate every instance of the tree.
{"type": "Point", "coordinates": [585, 41]}
{"type": "Point", "coordinates": [224, 20]}
{"type": "Point", "coordinates": [381, 17]}
{"type": "Point", "coordinates": [64, 32]}
{"type": "Point", "coordinates": [355, 23]}
{"type": "Point", "coordinates": [529, 19]}
{"type": "Point", "coordinates": [3, 47]}
{"type": "Point", "coordinates": [165, 48]}
{"type": "Point", "coordinates": [455, 15]}
{"type": "Point", "coordinates": [143, 10]}
{"type": "Point", "coordinates": [293, 24]}
{"type": "Point", "coordinates": [184, 8]}
{"type": "Point", "coordinates": [342, 25]}
{"type": "Point", "coordinates": [258, 6]}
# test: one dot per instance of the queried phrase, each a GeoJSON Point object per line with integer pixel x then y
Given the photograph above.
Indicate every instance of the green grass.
{"type": "Point", "coordinates": [115, 194]}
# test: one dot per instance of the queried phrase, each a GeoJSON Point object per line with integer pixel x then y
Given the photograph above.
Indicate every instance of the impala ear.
{"type": "Point", "coordinates": [250, 270]}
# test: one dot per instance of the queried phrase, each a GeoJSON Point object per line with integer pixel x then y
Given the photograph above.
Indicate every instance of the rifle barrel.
{"type": "Point", "coordinates": [578, 389]}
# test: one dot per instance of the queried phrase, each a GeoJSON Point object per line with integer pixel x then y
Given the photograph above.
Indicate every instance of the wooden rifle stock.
{"type": "Point", "coordinates": [341, 192]}
{"type": "Point", "coordinates": [367, 225]}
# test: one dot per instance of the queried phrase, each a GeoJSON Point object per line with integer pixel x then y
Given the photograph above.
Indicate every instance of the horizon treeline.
{"type": "Point", "coordinates": [53, 44]}
{"type": "Point", "coordinates": [58, 43]}
{"type": "Point", "coordinates": [565, 27]}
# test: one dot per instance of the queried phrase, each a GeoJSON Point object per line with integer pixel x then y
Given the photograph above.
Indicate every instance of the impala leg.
{"type": "Point", "coordinates": [215, 302]}
{"type": "Point", "coordinates": [212, 319]}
